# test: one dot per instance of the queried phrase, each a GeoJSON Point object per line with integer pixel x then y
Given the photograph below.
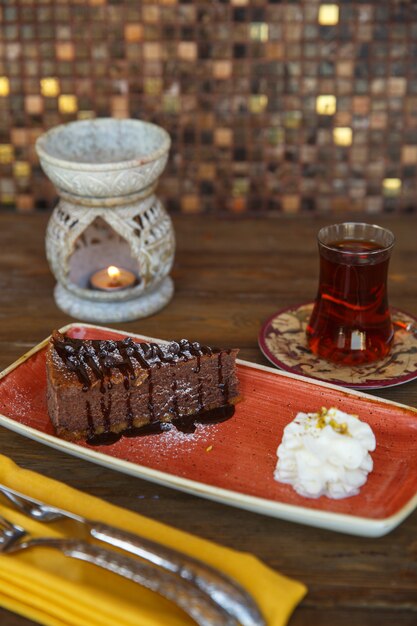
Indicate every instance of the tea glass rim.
{"type": "Point", "coordinates": [353, 253]}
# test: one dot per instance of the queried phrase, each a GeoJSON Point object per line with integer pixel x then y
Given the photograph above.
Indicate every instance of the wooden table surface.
{"type": "Point", "coordinates": [229, 276]}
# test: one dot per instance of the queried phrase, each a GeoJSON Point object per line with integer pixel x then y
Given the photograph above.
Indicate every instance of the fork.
{"type": "Point", "coordinates": [193, 601]}
{"type": "Point", "coordinates": [222, 590]}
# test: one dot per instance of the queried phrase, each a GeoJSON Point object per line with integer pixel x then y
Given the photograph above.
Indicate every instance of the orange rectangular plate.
{"type": "Point", "coordinates": [233, 462]}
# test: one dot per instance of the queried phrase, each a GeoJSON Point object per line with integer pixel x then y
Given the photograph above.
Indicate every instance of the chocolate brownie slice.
{"type": "Point", "coordinates": [96, 387]}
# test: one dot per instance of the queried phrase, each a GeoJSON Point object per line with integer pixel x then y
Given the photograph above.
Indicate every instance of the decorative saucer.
{"type": "Point", "coordinates": [283, 341]}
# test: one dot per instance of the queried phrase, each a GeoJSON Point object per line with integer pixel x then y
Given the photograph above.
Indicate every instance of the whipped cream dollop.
{"type": "Point", "coordinates": [325, 453]}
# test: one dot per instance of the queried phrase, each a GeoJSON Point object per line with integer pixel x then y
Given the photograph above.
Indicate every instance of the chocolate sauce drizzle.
{"type": "Point", "coordinates": [103, 355]}
{"type": "Point", "coordinates": [97, 358]}
{"type": "Point", "coordinates": [185, 423]}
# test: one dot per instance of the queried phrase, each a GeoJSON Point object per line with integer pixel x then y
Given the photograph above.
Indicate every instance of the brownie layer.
{"type": "Point", "coordinates": [100, 387]}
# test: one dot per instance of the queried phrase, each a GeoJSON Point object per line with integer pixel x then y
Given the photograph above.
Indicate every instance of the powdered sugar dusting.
{"type": "Point", "coordinates": [20, 403]}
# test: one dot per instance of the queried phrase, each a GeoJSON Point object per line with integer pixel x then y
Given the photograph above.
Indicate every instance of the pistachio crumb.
{"type": "Point", "coordinates": [342, 428]}
{"type": "Point", "coordinates": [324, 419]}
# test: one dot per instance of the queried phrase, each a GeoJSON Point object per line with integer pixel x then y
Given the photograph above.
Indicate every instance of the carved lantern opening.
{"type": "Point", "coordinates": [97, 247]}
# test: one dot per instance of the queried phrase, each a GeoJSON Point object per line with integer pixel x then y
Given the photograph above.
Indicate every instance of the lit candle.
{"type": "Point", "coordinates": [112, 278]}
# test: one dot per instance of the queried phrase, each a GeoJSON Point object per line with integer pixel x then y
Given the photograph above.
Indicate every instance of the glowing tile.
{"type": "Point", "coordinates": [65, 51]}
{"type": "Point", "coordinates": [50, 87]}
{"type": "Point", "coordinates": [67, 103]}
{"type": "Point", "coordinates": [222, 69]}
{"type": "Point", "coordinates": [21, 169]}
{"type": "Point", "coordinates": [391, 186]}
{"type": "Point", "coordinates": [344, 69]}
{"type": "Point", "coordinates": [133, 32]}
{"type": "Point", "coordinates": [326, 105]}
{"type": "Point", "coordinates": [4, 86]}
{"type": "Point", "coordinates": [259, 31]}
{"type": "Point", "coordinates": [258, 103]}
{"type": "Point", "coordinates": [120, 106]}
{"type": "Point", "coordinates": [290, 204]}
{"type": "Point", "coordinates": [152, 51]}
{"type": "Point", "coordinates": [409, 155]}
{"type": "Point", "coordinates": [190, 204]}
{"type": "Point", "coordinates": [6, 153]}
{"type": "Point", "coordinates": [342, 136]}
{"type": "Point", "coordinates": [151, 14]}
{"type": "Point", "coordinates": [34, 105]}
{"type": "Point", "coordinates": [328, 14]}
{"type": "Point", "coordinates": [19, 136]}
{"type": "Point", "coordinates": [223, 137]}
{"type": "Point", "coordinates": [187, 50]}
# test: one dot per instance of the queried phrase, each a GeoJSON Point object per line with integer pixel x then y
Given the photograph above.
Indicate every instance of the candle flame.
{"type": "Point", "coordinates": [113, 271]}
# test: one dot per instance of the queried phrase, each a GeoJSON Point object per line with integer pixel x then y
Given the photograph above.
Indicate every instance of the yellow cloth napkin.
{"type": "Point", "coordinates": [55, 590]}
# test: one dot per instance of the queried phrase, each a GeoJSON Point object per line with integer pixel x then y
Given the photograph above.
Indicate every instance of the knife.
{"type": "Point", "coordinates": [224, 591]}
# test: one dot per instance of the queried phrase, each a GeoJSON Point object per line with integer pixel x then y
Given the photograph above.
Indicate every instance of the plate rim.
{"type": "Point", "coordinates": [386, 384]}
{"type": "Point", "coordinates": [339, 522]}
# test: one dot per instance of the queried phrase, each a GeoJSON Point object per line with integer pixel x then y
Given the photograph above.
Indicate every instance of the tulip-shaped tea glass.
{"type": "Point", "coordinates": [351, 322]}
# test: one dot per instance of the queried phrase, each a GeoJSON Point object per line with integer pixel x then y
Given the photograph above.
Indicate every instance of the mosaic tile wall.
{"type": "Point", "coordinates": [292, 106]}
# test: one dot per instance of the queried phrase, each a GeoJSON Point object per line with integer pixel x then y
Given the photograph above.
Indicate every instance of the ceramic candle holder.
{"type": "Point", "coordinates": [106, 171]}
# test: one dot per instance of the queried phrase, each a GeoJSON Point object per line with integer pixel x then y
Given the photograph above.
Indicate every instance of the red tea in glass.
{"type": "Point", "coordinates": [351, 322]}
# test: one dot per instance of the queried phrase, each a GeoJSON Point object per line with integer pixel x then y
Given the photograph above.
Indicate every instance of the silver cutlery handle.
{"type": "Point", "coordinates": [223, 590]}
{"type": "Point", "coordinates": [193, 601]}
